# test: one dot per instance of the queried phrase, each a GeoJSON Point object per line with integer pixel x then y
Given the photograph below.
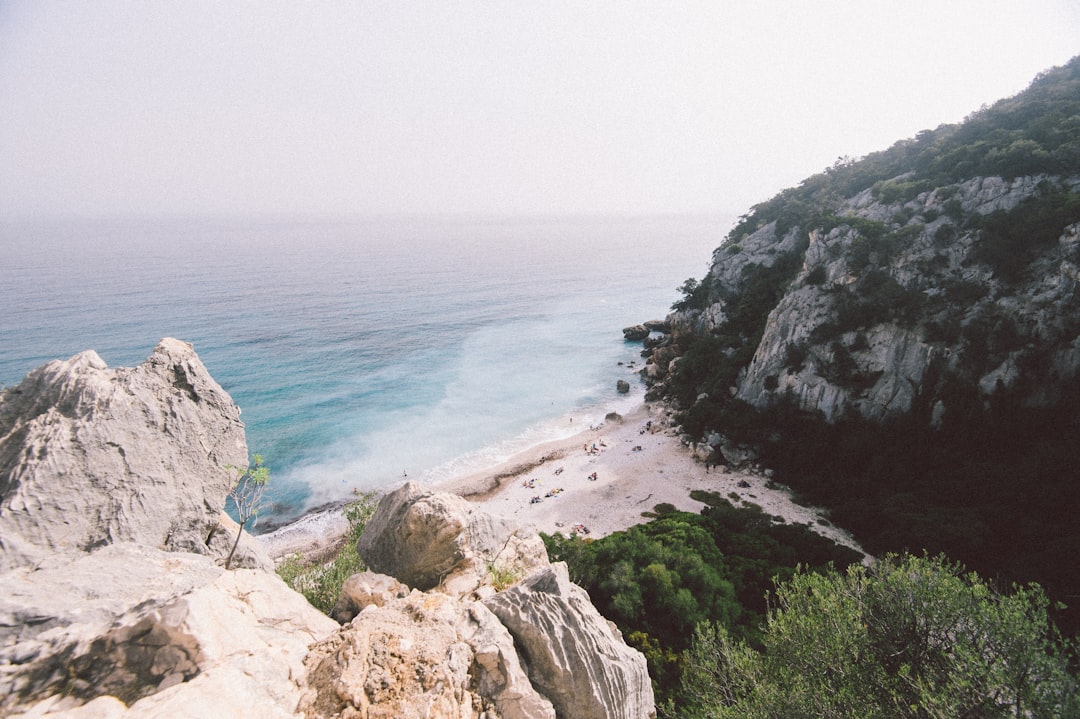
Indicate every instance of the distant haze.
{"type": "Point", "coordinates": [179, 107]}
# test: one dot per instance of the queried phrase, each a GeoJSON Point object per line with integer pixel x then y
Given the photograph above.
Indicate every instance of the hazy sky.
{"type": "Point", "coordinates": [179, 106]}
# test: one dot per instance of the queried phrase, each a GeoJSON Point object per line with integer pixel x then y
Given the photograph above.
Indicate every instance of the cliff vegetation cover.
{"type": "Point", "coordinates": [898, 337]}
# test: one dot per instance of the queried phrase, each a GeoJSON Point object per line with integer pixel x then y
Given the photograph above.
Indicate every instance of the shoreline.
{"type": "Point", "coordinates": [593, 483]}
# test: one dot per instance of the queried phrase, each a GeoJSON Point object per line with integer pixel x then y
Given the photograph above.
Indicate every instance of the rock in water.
{"type": "Point", "coordinates": [428, 540]}
{"type": "Point", "coordinates": [90, 456]}
{"type": "Point", "coordinates": [577, 659]}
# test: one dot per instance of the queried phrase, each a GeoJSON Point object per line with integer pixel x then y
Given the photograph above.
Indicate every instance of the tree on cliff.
{"type": "Point", "coordinates": [907, 637]}
{"type": "Point", "coordinates": [248, 489]}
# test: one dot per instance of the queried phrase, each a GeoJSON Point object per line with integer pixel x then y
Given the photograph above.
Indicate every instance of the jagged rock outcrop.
{"type": "Point", "coordinates": [424, 655]}
{"type": "Point", "coordinates": [90, 456]}
{"type": "Point", "coordinates": [576, 658]}
{"type": "Point", "coordinates": [427, 540]}
{"type": "Point", "coordinates": [138, 632]}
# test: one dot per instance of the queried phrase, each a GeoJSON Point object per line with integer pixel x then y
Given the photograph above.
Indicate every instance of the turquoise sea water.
{"type": "Point", "coordinates": [362, 350]}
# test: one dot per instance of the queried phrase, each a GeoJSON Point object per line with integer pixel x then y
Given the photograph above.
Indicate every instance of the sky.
{"type": "Point", "coordinates": [186, 107]}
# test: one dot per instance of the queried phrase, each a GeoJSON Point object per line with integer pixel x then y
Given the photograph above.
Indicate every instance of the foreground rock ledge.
{"type": "Point", "coordinates": [575, 661]}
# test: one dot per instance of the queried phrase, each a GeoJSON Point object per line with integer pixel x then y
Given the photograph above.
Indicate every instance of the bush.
{"type": "Point", "coordinates": [816, 276]}
{"type": "Point", "coordinates": [908, 637]}
{"type": "Point", "coordinates": [695, 295]}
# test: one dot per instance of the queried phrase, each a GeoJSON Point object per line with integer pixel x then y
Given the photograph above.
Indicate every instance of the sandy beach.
{"type": "Point", "coordinates": [600, 480]}
{"type": "Point", "coordinates": [603, 478]}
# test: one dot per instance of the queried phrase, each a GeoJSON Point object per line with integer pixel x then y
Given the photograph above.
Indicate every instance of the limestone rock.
{"type": "Point", "coordinates": [869, 328]}
{"type": "Point", "coordinates": [424, 655]}
{"type": "Point", "coordinates": [365, 589]}
{"type": "Point", "coordinates": [138, 632]}
{"type": "Point", "coordinates": [576, 658]}
{"type": "Point", "coordinates": [429, 540]}
{"type": "Point", "coordinates": [90, 456]}
{"type": "Point", "coordinates": [622, 386]}
{"type": "Point", "coordinates": [635, 333]}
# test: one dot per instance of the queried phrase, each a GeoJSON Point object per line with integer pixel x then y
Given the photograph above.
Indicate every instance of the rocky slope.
{"type": "Point", "coordinates": [881, 286]}
{"type": "Point", "coordinates": [115, 602]}
{"type": "Point", "coordinates": [890, 300]}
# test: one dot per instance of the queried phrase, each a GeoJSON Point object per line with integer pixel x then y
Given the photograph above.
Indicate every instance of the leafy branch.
{"type": "Point", "coordinates": [247, 492]}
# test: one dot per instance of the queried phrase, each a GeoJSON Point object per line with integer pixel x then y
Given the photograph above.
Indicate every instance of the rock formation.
{"type": "Point", "coordinates": [138, 632]}
{"type": "Point", "coordinates": [424, 655]}
{"type": "Point", "coordinates": [576, 657]}
{"type": "Point", "coordinates": [428, 540]}
{"type": "Point", "coordinates": [445, 653]}
{"type": "Point", "coordinates": [942, 271]}
{"type": "Point", "coordinates": [890, 301]}
{"type": "Point", "coordinates": [91, 455]}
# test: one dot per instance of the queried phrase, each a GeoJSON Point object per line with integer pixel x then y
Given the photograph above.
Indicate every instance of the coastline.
{"type": "Point", "coordinates": [638, 462]}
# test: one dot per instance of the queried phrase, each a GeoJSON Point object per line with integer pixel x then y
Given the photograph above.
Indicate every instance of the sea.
{"type": "Point", "coordinates": [362, 351]}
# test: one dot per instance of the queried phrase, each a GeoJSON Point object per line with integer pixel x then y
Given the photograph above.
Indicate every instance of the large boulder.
{"type": "Point", "coordinates": [577, 658]}
{"type": "Point", "coordinates": [424, 655]}
{"type": "Point", "coordinates": [138, 632]}
{"type": "Point", "coordinates": [91, 455]}
{"type": "Point", "coordinates": [434, 540]}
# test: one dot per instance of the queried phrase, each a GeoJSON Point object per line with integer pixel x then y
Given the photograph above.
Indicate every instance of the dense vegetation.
{"type": "Point", "coordinates": [996, 486]}
{"type": "Point", "coordinates": [908, 637]}
{"type": "Point", "coordinates": [658, 581]}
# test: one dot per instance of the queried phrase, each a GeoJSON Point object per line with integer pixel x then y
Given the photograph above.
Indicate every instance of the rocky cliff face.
{"type": "Point", "coordinates": [888, 301]}
{"type": "Point", "coordinates": [936, 274]}
{"type": "Point", "coordinates": [115, 603]}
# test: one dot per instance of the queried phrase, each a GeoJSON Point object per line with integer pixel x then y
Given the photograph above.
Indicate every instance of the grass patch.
{"type": "Point", "coordinates": [321, 582]}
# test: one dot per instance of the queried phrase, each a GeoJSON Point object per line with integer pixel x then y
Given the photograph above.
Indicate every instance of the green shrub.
{"type": "Point", "coordinates": [321, 583]}
{"type": "Point", "coordinates": [908, 637]}
{"type": "Point", "coordinates": [816, 276]}
{"type": "Point", "coordinates": [659, 580]}
{"type": "Point", "coordinates": [695, 295]}
{"type": "Point", "coordinates": [1010, 239]}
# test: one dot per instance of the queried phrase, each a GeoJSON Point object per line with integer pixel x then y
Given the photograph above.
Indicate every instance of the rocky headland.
{"type": "Point", "coordinates": [116, 603]}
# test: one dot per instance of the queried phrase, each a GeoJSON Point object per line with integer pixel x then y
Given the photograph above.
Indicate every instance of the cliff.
{"type": "Point", "coordinates": [115, 602]}
{"type": "Point", "coordinates": [898, 339]}
{"type": "Point", "coordinates": [882, 286]}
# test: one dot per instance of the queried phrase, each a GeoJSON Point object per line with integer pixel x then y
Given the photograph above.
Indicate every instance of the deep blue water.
{"type": "Point", "coordinates": [360, 350]}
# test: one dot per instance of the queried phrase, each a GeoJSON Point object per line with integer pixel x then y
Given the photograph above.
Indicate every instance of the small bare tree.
{"type": "Point", "coordinates": [247, 493]}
